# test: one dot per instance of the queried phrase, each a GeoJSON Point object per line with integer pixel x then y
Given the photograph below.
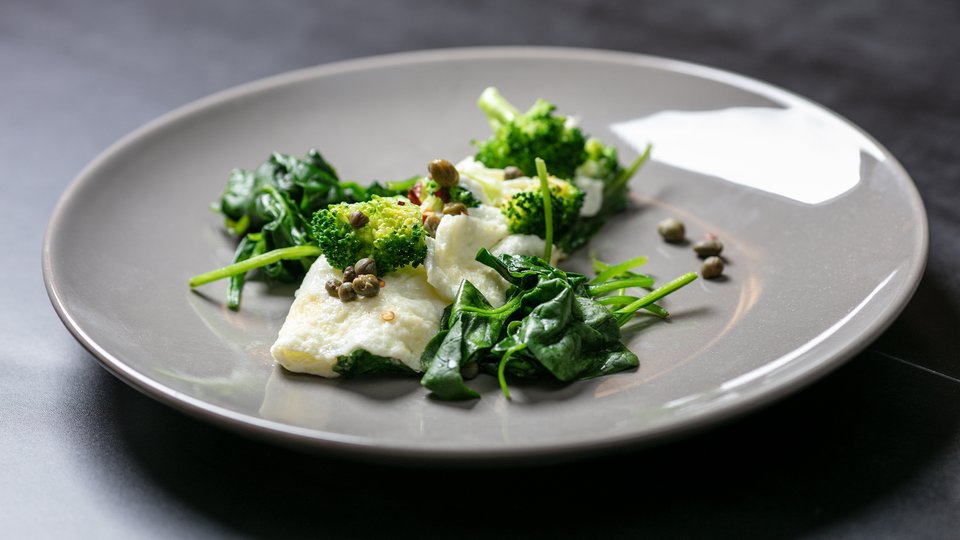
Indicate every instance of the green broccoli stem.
{"type": "Point", "coordinates": [498, 110]}
{"type": "Point", "coordinates": [625, 314]}
{"type": "Point", "coordinates": [547, 207]}
{"type": "Point", "coordinates": [621, 180]}
{"type": "Point", "coordinates": [242, 267]}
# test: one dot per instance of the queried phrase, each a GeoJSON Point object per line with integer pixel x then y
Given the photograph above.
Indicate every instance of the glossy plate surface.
{"type": "Point", "coordinates": [825, 236]}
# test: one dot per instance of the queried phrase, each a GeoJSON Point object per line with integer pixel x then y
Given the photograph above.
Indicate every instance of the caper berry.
{"type": "Point", "coordinates": [431, 223]}
{"type": "Point", "coordinates": [712, 267]}
{"type": "Point", "coordinates": [672, 230]}
{"type": "Point", "coordinates": [346, 292]}
{"type": "Point", "coordinates": [349, 274]}
{"type": "Point", "coordinates": [512, 172]}
{"type": "Point", "coordinates": [332, 286]}
{"type": "Point", "coordinates": [454, 209]}
{"type": "Point", "coordinates": [470, 370]}
{"type": "Point", "coordinates": [708, 248]}
{"type": "Point", "coordinates": [366, 285]}
{"type": "Point", "coordinates": [358, 220]}
{"type": "Point", "coordinates": [443, 173]}
{"type": "Point", "coordinates": [366, 266]}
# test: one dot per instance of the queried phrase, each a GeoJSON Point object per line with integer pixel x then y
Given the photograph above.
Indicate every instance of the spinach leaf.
{"type": "Point", "coordinates": [466, 335]}
{"type": "Point", "coordinates": [361, 363]}
{"type": "Point", "coordinates": [550, 324]}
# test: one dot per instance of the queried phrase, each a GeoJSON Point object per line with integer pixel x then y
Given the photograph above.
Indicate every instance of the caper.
{"type": "Point", "coordinates": [366, 285]}
{"type": "Point", "coordinates": [366, 266]}
{"type": "Point", "coordinates": [346, 292]}
{"type": "Point", "coordinates": [470, 370]}
{"type": "Point", "coordinates": [672, 230]}
{"type": "Point", "coordinates": [358, 220]}
{"type": "Point", "coordinates": [332, 286]}
{"type": "Point", "coordinates": [443, 173]}
{"type": "Point", "coordinates": [454, 209]}
{"type": "Point", "coordinates": [349, 274]}
{"type": "Point", "coordinates": [712, 267]}
{"type": "Point", "coordinates": [512, 172]}
{"type": "Point", "coordinates": [431, 223]}
{"type": "Point", "coordinates": [708, 248]}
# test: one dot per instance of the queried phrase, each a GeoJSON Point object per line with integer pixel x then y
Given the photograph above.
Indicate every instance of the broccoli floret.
{"type": "Point", "coordinates": [602, 162]}
{"type": "Point", "coordinates": [524, 208]}
{"type": "Point", "coordinates": [519, 138]}
{"type": "Point", "coordinates": [393, 236]}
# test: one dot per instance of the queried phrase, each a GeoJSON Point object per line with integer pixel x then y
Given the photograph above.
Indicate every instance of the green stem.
{"type": "Point", "coordinates": [626, 300]}
{"type": "Point", "coordinates": [501, 369]}
{"type": "Point", "coordinates": [626, 313]}
{"type": "Point", "coordinates": [547, 207]}
{"type": "Point", "coordinates": [616, 285]}
{"type": "Point", "coordinates": [294, 252]}
{"type": "Point", "coordinates": [624, 177]}
{"type": "Point", "coordinates": [496, 107]}
{"type": "Point", "coordinates": [618, 269]}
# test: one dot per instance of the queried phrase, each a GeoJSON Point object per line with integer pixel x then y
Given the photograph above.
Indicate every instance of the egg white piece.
{"type": "Point", "coordinates": [526, 244]}
{"type": "Point", "coordinates": [320, 328]}
{"type": "Point", "coordinates": [450, 255]}
{"type": "Point", "coordinates": [592, 195]}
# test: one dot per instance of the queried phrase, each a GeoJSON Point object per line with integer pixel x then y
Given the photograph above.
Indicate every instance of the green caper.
{"type": "Point", "coordinates": [346, 292]}
{"type": "Point", "coordinates": [712, 267]}
{"type": "Point", "coordinates": [672, 230]}
{"type": "Point", "coordinates": [708, 248]}
{"type": "Point", "coordinates": [443, 173]}
{"type": "Point", "coordinates": [431, 223]}
{"type": "Point", "coordinates": [470, 370]}
{"type": "Point", "coordinates": [332, 286]}
{"type": "Point", "coordinates": [454, 209]}
{"type": "Point", "coordinates": [358, 220]}
{"type": "Point", "coordinates": [349, 274]}
{"type": "Point", "coordinates": [512, 172]}
{"type": "Point", "coordinates": [366, 266]}
{"type": "Point", "coordinates": [366, 285]}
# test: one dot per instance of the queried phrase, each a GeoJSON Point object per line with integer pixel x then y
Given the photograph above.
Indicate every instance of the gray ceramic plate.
{"type": "Point", "coordinates": [826, 240]}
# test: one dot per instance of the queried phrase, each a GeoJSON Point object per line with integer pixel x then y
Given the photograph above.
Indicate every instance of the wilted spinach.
{"type": "Point", "coordinates": [553, 322]}
{"type": "Point", "coordinates": [270, 207]}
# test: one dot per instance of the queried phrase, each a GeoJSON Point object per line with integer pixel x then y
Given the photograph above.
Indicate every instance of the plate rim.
{"type": "Point", "coordinates": [352, 446]}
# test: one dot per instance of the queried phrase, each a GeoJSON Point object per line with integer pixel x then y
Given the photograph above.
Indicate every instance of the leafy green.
{"type": "Point", "coordinates": [553, 323]}
{"type": "Point", "coordinates": [361, 363]}
{"type": "Point", "coordinates": [271, 208]}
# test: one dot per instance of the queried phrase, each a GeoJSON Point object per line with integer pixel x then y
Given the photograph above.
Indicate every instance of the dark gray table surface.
{"type": "Point", "coordinates": [871, 451]}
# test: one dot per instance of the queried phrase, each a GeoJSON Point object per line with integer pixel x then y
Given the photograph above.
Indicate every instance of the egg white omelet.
{"type": "Point", "coordinates": [397, 323]}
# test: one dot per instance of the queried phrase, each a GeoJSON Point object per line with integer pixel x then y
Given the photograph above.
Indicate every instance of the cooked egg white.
{"type": "Point", "coordinates": [592, 195]}
{"type": "Point", "coordinates": [451, 254]}
{"type": "Point", "coordinates": [320, 328]}
{"type": "Point", "coordinates": [526, 244]}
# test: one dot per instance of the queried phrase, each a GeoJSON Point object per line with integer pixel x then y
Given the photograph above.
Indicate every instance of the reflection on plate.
{"type": "Point", "coordinates": [825, 241]}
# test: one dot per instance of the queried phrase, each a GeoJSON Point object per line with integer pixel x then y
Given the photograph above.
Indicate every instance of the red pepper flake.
{"type": "Point", "coordinates": [401, 203]}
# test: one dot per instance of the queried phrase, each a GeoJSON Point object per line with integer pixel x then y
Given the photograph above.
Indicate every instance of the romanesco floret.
{"type": "Point", "coordinates": [523, 208]}
{"type": "Point", "coordinates": [393, 235]}
{"type": "Point", "coordinates": [519, 138]}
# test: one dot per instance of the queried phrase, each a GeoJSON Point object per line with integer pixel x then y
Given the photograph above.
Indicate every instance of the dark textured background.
{"type": "Point", "coordinates": [872, 451]}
